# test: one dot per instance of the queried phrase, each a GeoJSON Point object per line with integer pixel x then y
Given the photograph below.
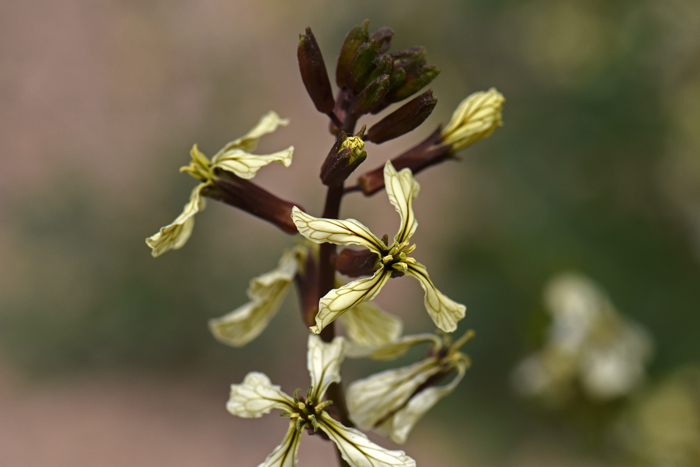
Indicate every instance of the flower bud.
{"type": "Point", "coordinates": [314, 74]}
{"type": "Point", "coordinates": [407, 118]}
{"type": "Point", "coordinates": [355, 38]}
{"type": "Point", "coordinates": [345, 156]}
{"type": "Point", "coordinates": [356, 263]}
{"type": "Point", "coordinates": [383, 39]}
{"type": "Point", "coordinates": [475, 118]}
{"type": "Point", "coordinates": [253, 199]}
{"type": "Point", "coordinates": [307, 284]}
{"type": "Point", "coordinates": [410, 59]}
{"type": "Point", "coordinates": [361, 65]}
{"type": "Point", "coordinates": [414, 82]}
{"type": "Point", "coordinates": [371, 96]}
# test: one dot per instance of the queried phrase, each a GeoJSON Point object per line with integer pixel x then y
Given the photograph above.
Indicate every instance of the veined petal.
{"type": "Point", "coordinates": [392, 350]}
{"type": "Point", "coordinates": [347, 232]}
{"type": "Point", "coordinates": [444, 311]}
{"type": "Point", "coordinates": [266, 293]}
{"type": "Point", "coordinates": [256, 396]}
{"type": "Point", "coordinates": [368, 325]}
{"type": "Point", "coordinates": [405, 419]}
{"type": "Point", "coordinates": [475, 118]}
{"type": "Point", "coordinates": [176, 234]}
{"type": "Point", "coordinates": [358, 450]}
{"type": "Point", "coordinates": [402, 189]}
{"type": "Point", "coordinates": [338, 301]}
{"type": "Point", "coordinates": [248, 142]}
{"type": "Point", "coordinates": [285, 455]}
{"type": "Point", "coordinates": [372, 400]}
{"type": "Point", "coordinates": [323, 362]}
{"type": "Point", "coordinates": [246, 165]}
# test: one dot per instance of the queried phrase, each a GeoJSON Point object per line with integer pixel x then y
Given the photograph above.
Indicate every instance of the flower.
{"type": "Point", "coordinates": [392, 260]}
{"type": "Point", "coordinates": [234, 158]}
{"type": "Point", "coordinates": [393, 401]}
{"type": "Point", "coordinates": [366, 324]}
{"type": "Point", "coordinates": [475, 118]}
{"type": "Point", "coordinates": [257, 396]}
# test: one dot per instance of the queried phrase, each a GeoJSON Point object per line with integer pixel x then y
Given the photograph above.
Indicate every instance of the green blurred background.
{"type": "Point", "coordinates": [596, 170]}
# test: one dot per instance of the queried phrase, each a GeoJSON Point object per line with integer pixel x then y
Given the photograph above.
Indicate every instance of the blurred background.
{"type": "Point", "coordinates": [105, 355]}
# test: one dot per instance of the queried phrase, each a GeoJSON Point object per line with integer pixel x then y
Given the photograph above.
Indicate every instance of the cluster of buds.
{"type": "Point", "coordinates": [369, 79]}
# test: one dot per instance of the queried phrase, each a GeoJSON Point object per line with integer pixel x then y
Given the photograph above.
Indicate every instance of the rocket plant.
{"type": "Point", "coordinates": [339, 285]}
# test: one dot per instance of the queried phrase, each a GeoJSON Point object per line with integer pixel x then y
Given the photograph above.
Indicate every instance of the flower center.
{"type": "Point", "coordinates": [396, 257]}
{"type": "Point", "coordinates": [306, 411]}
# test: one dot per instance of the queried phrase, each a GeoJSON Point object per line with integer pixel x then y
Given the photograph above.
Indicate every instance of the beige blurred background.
{"type": "Point", "coordinates": [105, 356]}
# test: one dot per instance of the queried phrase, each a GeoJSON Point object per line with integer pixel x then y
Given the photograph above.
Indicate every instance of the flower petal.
{"type": "Point", "coordinates": [285, 455]}
{"type": "Point", "coordinates": [248, 142]}
{"type": "Point", "coordinates": [369, 325]}
{"type": "Point", "coordinates": [402, 189]}
{"type": "Point", "coordinates": [444, 311]}
{"type": "Point", "coordinates": [323, 361]}
{"type": "Point", "coordinates": [358, 450]}
{"type": "Point", "coordinates": [338, 301]}
{"type": "Point", "coordinates": [392, 350]}
{"type": "Point", "coordinates": [405, 419]}
{"type": "Point", "coordinates": [266, 292]}
{"type": "Point", "coordinates": [176, 234]}
{"type": "Point", "coordinates": [256, 396]}
{"type": "Point", "coordinates": [347, 232]}
{"type": "Point", "coordinates": [475, 118]}
{"type": "Point", "coordinates": [246, 165]}
{"type": "Point", "coordinates": [372, 400]}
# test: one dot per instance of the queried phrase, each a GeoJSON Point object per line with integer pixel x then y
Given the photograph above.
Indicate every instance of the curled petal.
{"type": "Point", "coordinates": [248, 142]}
{"type": "Point", "coordinates": [246, 165]}
{"type": "Point", "coordinates": [392, 350]}
{"type": "Point", "coordinates": [373, 400]}
{"type": "Point", "coordinates": [338, 301]}
{"type": "Point", "coordinates": [346, 232]}
{"type": "Point", "coordinates": [475, 118]}
{"type": "Point", "coordinates": [285, 455]}
{"type": "Point", "coordinates": [402, 189]}
{"type": "Point", "coordinates": [266, 293]}
{"type": "Point", "coordinates": [323, 361]}
{"type": "Point", "coordinates": [403, 421]}
{"type": "Point", "coordinates": [358, 450]}
{"type": "Point", "coordinates": [175, 235]}
{"type": "Point", "coordinates": [444, 311]}
{"type": "Point", "coordinates": [256, 396]}
{"type": "Point", "coordinates": [368, 325]}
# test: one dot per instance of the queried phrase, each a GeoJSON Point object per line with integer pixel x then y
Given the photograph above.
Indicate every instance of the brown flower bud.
{"type": "Point", "coordinates": [307, 285]}
{"type": "Point", "coordinates": [413, 83]}
{"type": "Point", "coordinates": [355, 38]}
{"type": "Point", "coordinates": [383, 38]}
{"type": "Point", "coordinates": [345, 156]}
{"type": "Point", "coordinates": [356, 263]}
{"type": "Point", "coordinates": [253, 199]}
{"type": "Point", "coordinates": [314, 74]}
{"type": "Point", "coordinates": [371, 96]}
{"type": "Point", "coordinates": [406, 118]}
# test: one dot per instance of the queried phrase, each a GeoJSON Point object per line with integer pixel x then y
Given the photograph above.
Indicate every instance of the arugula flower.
{"type": "Point", "coordinates": [392, 260]}
{"type": "Point", "coordinates": [234, 158]}
{"type": "Point", "coordinates": [475, 118]}
{"type": "Point", "coordinates": [257, 396]}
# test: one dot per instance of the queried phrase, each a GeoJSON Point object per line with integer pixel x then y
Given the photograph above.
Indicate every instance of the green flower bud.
{"type": "Point", "coordinates": [355, 38]}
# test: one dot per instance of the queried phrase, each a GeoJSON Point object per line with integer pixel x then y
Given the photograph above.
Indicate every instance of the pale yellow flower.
{"type": "Point", "coordinates": [393, 401]}
{"type": "Point", "coordinates": [392, 260]}
{"type": "Point", "coordinates": [475, 118]}
{"type": "Point", "coordinates": [257, 396]}
{"type": "Point", "coordinates": [366, 324]}
{"type": "Point", "coordinates": [234, 158]}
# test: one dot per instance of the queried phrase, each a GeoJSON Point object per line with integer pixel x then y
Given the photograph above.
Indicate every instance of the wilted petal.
{"type": "Point", "coordinates": [323, 362]}
{"type": "Point", "coordinates": [285, 455]}
{"type": "Point", "coordinates": [358, 450]}
{"type": "Point", "coordinates": [175, 235]}
{"type": "Point", "coordinates": [256, 396]}
{"type": "Point", "coordinates": [403, 421]}
{"type": "Point", "coordinates": [338, 301]}
{"type": "Point", "coordinates": [444, 311]}
{"type": "Point", "coordinates": [267, 124]}
{"type": "Point", "coordinates": [266, 293]}
{"type": "Point", "coordinates": [391, 350]}
{"type": "Point", "coordinates": [246, 165]}
{"type": "Point", "coordinates": [369, 325]}
{"type": "Point", "coordinates": [372, 400]}
{"type": "Point", "coordinates": [346, 232]}
{"type": "Point", "coordinates": [402, 189]}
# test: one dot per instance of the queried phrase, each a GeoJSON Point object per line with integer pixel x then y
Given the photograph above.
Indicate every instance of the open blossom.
{"type": "Point", "coordinates": [234, 158]}
{"type": "Point", "coordinates": [257, 396]}
{"type": "Point", "coordinates": [393, 401]}
{"type": "Point", "coordinates": [366, 324]}
{"type": "Point", "coordinates": [475, 118]}
{"type": "Point", "coordinates": [392, 260]}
